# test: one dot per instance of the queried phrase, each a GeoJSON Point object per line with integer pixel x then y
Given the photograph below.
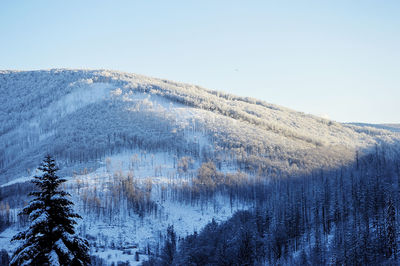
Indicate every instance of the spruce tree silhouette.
{"type": "Point", "coordinates": [50, 238]}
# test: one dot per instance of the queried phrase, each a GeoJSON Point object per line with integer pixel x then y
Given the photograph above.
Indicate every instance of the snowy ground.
{"type": "Point", "coordinates": [119, 236]}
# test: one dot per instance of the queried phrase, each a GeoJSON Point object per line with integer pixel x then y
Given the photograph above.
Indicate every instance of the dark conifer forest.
{"type": "Point", "coordinates": [347, 216]}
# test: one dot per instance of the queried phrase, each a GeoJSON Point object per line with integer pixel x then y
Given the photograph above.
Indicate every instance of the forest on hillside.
{"type": "Point", "coordinates": [85, 116]}
{"type": "Point", "coordinates": [347, 216]}
{"type": "Point", "coordinates": [150, 162]}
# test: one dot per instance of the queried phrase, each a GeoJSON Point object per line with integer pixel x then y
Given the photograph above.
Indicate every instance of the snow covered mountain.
{"type": "Point", "coordinates": [82, 117]}
{"type": "Point", "coordinates": [137, 150]}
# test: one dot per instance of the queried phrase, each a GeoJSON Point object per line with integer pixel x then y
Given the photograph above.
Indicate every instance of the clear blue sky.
{"type": "Point", "coordinates": [334, 58]}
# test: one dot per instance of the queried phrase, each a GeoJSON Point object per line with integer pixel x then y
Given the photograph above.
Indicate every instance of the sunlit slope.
{"type": "Point", "coordinates": [82, 117]}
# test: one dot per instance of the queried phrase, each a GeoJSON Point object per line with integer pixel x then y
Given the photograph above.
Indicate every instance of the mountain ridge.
{"type": "Point", "coordinates": [252, 134]}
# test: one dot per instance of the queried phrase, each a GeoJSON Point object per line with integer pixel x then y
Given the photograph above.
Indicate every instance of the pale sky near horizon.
{"type": "Point", "coordinates": [338, 59]}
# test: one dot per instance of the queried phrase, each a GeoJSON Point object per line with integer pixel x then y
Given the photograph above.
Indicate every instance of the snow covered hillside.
{"type": "Point", "coordinates": [142, 153]}
{"type": "Point", "coordinates": [82, 117]}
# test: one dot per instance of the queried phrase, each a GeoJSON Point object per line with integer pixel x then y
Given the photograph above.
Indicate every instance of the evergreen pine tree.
{"type": "Point", "coordinates": [4, 258]}
{"type": "Point", "coordinates": [391, 229]}
{"type": "Point", "coordinates": [169, 247]}
{"type": "Point", "coordinates": [303, 260]}
{"type": "Point", "coordinates": [50, 238]}
{"type": "Point", "coordinates": [246, 248]}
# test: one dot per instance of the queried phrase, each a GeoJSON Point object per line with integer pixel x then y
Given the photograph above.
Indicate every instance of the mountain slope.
{"type": "Point", "coordinates": [136, 152]}
{"type": "Point", "coordinates": [84, 116]}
